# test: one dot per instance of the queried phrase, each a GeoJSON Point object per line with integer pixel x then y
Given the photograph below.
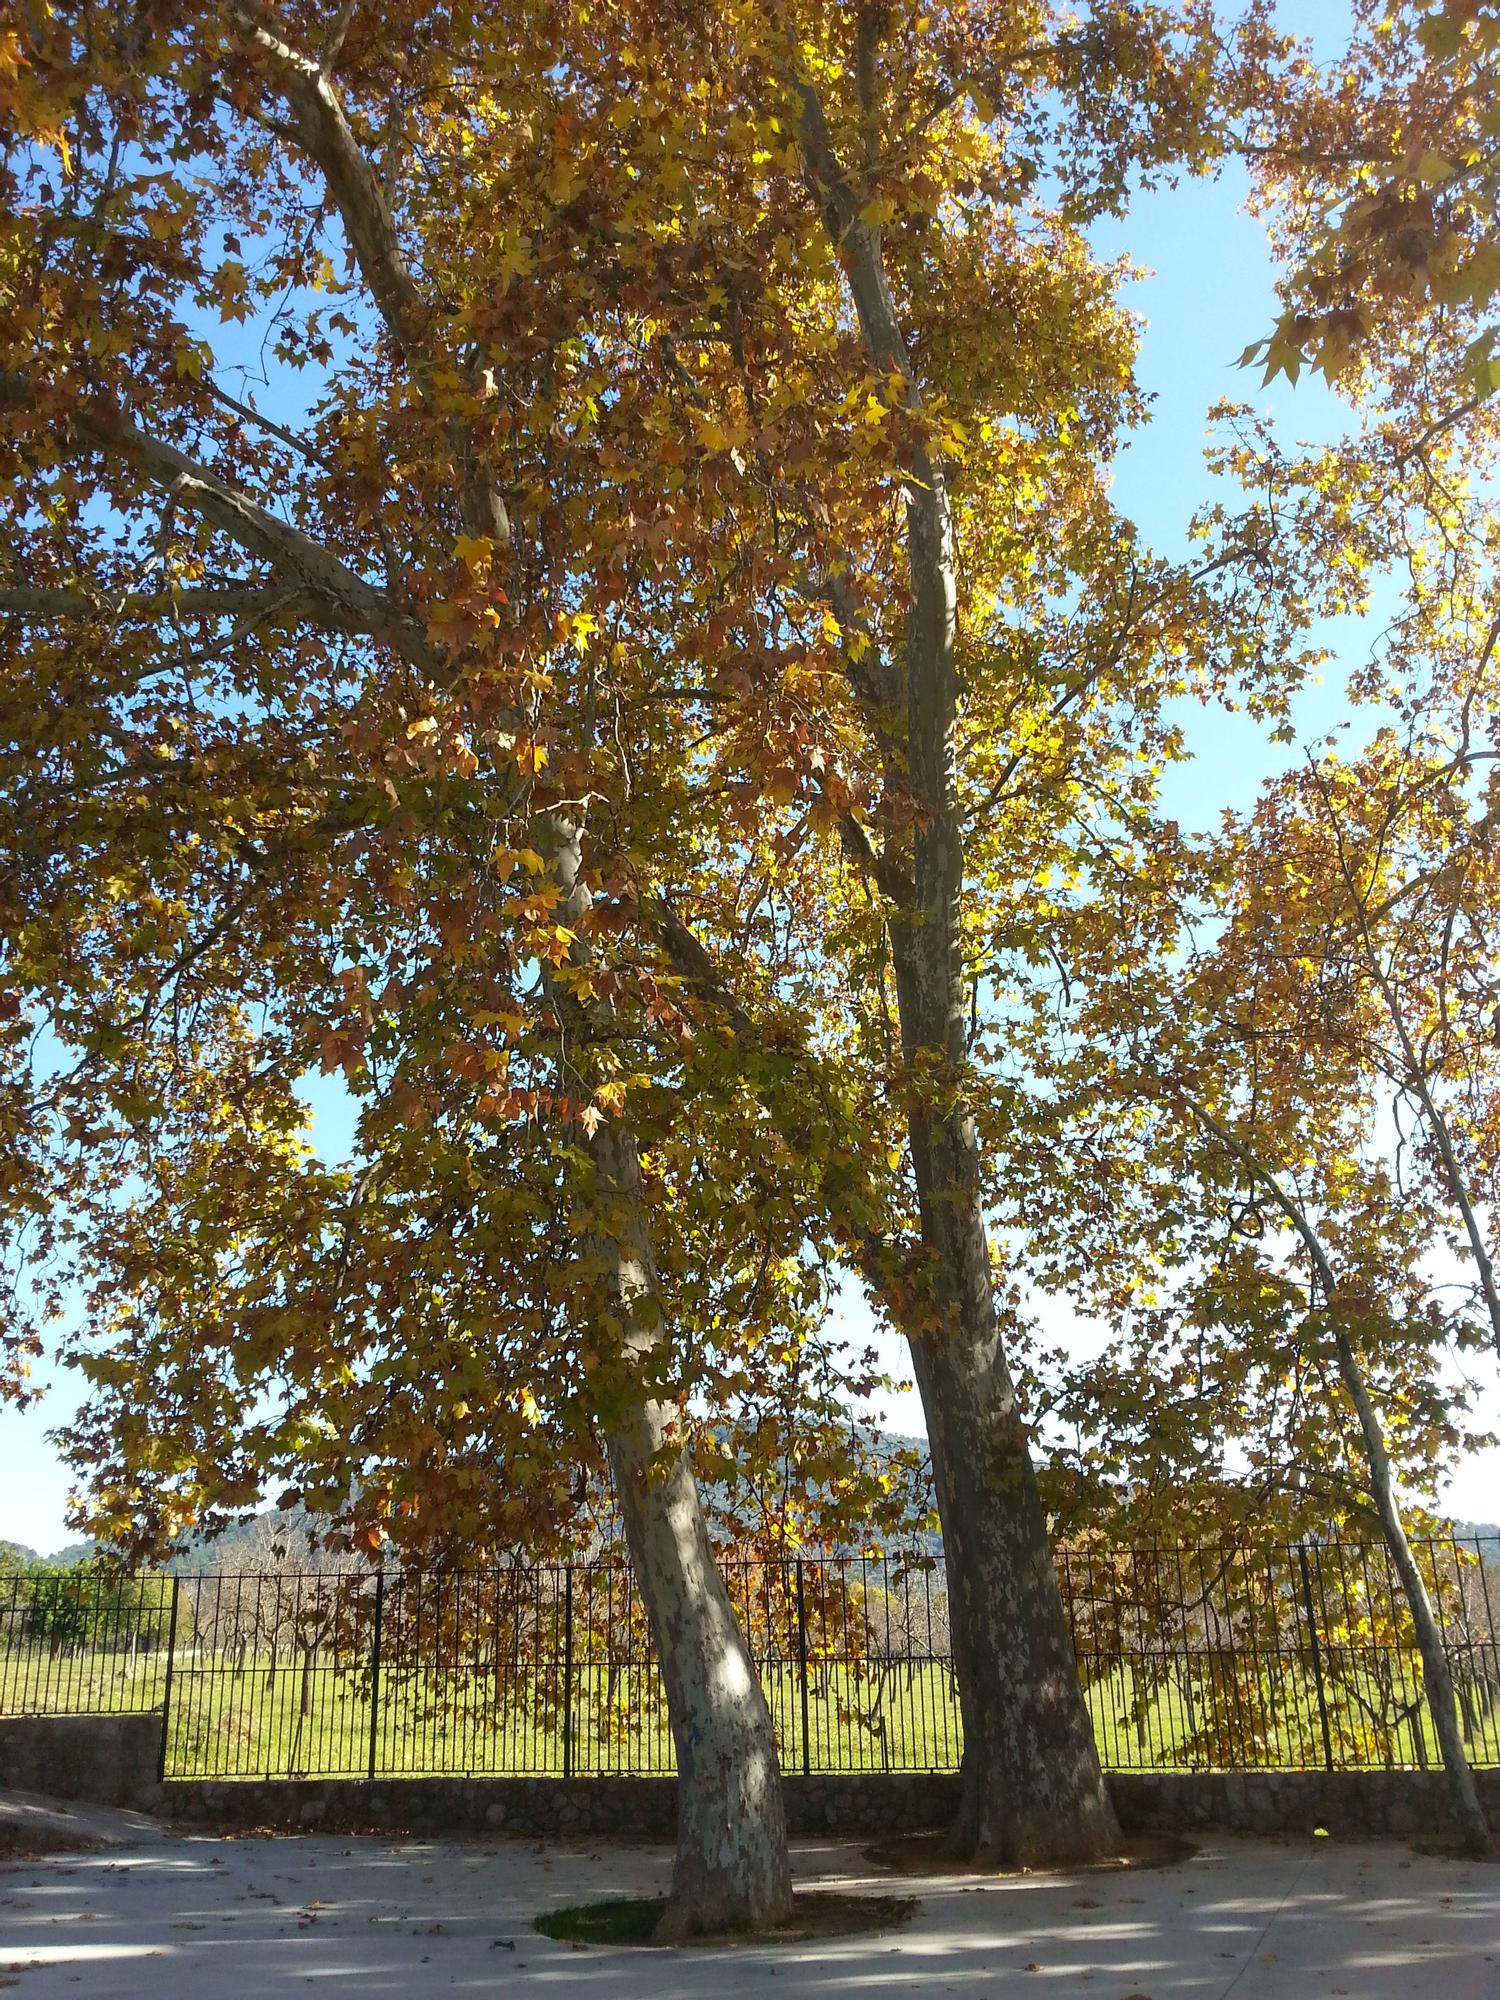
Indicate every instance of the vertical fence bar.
{"type": "Point", "coordinates": [1317, 1655]}
{"type": "Point", "coordinates": [802, 1669]}
{"type": "Point", "coordinates": [1489, 1648]}
{"type": "Point", "coordinates": [166, 1693]}
{"type": "Point", "coordinates": [261, 1649]}
{"type": "Point", "coordinates": [567, 1673]}
{"type": "Point", "coordinates": [375, 1669]}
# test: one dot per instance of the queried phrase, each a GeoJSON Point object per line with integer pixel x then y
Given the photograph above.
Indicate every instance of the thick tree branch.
{"type": "Point", "coordinates": [874, 677]}
{"type": "Point", "coordinates": [935, 992]}
{"type": "Point", "coordinates": [799, 1116]}
{"type": "Point", "coordinates": [324, 133]}
{"type": "Point", "coordinates": [889, 877]}
{"type": "Point", "coordinates": [838, 195]}
{"type": "Point", "coordinates": [694, 965]}
{"type": "Point", "coordinates": [247, 601]}
{"type": "Point", "coordinates": [300, 565]}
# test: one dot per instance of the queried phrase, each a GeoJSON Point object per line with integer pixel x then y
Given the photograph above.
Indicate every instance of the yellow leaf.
{"type": "Point", "coordinates": [474, 552]}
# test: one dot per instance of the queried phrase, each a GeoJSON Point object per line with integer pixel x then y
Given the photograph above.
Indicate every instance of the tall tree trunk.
{"type": "Point", "coordinates": [731, 1868]}
{"type": "Point", "coordinates": [1437, 1676]}
{"type": "Point", "coordinates": [1033, 1791]}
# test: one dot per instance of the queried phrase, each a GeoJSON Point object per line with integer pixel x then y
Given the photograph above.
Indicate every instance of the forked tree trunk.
{"type": "Point", "coordinates": [731, 1868]}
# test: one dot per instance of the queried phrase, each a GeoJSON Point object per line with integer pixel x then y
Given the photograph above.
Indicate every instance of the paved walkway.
{"type": "Point", "coordinates": [194, 1918]}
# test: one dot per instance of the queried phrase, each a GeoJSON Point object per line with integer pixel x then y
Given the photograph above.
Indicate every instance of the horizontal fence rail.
{"type": "Point", "coordinates": [1192, 1658]}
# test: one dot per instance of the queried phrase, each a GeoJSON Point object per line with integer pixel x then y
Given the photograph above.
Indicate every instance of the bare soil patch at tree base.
{"type": "Point", "coordinates": [931, 1854]}
{"type": "Point", "coordinates": [1454, 1850]}
{"type": "Point", "coordinates": [816, 1913]}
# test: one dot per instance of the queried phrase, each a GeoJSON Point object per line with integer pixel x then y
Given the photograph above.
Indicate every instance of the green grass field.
{"type": "Point", "coordinates": [292, 1719]}
{"type": "Point", "coordinates": [285, 1721]}
{"type": "Point", "coordinates": [33, 1682]}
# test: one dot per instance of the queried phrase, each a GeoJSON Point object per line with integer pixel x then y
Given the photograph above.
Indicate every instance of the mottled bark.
{"type": "Point", "coordinates": [731, 1867]}
{"type": "Point", "coordinates": [1032, 1790]}
{"type": "Point", "coordinates": [1033, 1793]}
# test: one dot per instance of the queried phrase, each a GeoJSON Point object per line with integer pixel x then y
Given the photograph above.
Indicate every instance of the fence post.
{"type": "Point", "coordinates": [166, 1693]}
{"type": "Point", "coordinates": [1317, 1654]}
{"type": "Point", "coordinates": [802, 1666]}
{"type": "Point", "coordinates": [567, 1686]}
{"type": "Point", "coordinates": [375, 1668]}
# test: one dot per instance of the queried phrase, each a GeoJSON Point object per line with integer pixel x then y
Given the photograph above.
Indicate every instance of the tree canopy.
{"type": "Point", "coordinates": [563, 573]}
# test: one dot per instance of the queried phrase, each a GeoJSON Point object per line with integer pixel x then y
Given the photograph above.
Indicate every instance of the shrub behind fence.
{"type": "Point", "coordinates": [1191, 1657]}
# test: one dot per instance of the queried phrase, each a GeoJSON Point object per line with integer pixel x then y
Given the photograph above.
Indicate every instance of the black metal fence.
{"type": "Point", "coordinates": [1223, 1657]}
{"type": "Point", "coordinates": [545, 1670]}
{"type": "Point", "coordinates": [73, 1642]}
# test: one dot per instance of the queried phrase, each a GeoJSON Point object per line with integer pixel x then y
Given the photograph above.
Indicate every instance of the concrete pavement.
{"type": "Point", "coordinates": [166, 1917]}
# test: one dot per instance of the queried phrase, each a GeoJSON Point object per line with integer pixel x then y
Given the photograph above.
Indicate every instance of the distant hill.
{"type": "Point", "coordinates": [291, 1537]}
{"type": "Point", "coordinates": [16, 1555]}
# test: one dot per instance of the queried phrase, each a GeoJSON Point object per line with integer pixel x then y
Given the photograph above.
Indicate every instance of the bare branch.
{"type": "Point", "coordinates": [209, 602]}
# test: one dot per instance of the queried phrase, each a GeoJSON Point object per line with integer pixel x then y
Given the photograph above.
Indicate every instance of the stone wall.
{"type": "Point", "coordinates": [1401, 1804]}
{"type": "Point", "coordinates": [112, 1760]}
{"type": "Point", "coordinates": [635, 1808]}
{"type": "Point", "coordinates": [109, 1760]}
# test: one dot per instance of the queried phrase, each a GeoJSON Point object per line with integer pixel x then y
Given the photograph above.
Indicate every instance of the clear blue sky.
{"type": "Point", "coordinates": [1210, 293]}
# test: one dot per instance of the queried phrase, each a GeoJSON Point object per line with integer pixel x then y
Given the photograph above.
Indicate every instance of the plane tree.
{"type": "Point", "coordinates": [614, 694]}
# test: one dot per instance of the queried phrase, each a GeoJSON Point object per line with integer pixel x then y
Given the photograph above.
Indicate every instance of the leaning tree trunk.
{"type": "Point", "coordinates": [1437, 1675]}
{"type": "Point", "coordinates": [732, 1869]}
